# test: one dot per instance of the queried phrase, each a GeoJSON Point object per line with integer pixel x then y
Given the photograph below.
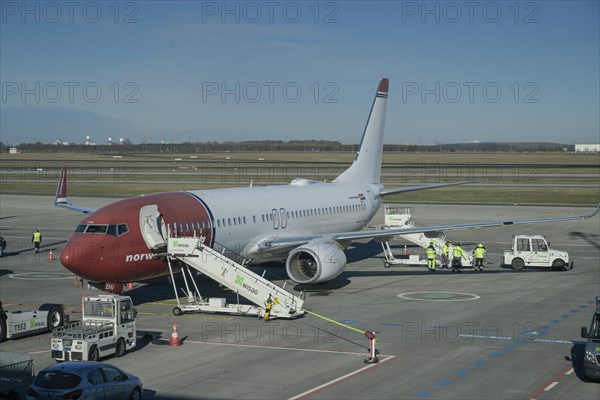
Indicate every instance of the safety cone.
{"type": "Point", "coordinates": [405, 251]}
{"type": "Point", "coordinates": [130, 286]}
{"type": "Point", "coordinates": [175, 341]}
{"type": "Point", "coordinates": [50, 256]}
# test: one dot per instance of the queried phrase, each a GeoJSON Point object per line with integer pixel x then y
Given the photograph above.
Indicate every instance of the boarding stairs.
{"type": "Point", "coordinates": [194, 253]}
{"type": "Point", "coordinates": [398, 217]}
{"type": "Point", "coordinates": [186, 249]}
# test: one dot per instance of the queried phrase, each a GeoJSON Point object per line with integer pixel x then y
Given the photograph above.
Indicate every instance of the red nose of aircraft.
{"type": "Point", "coordinates": [108, 246]}
{"type": "Point", "coordinates": [74, 262]}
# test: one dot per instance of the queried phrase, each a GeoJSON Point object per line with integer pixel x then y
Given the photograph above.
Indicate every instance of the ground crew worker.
{"type": "Point", "coordinates": [431, 256]}
{"type": "Point", "coordinates": [479, 253]}
{"type": "Point", "coordinates": [37, 240]}
{"type": "Point", "coordinates": [445, 250]}
{"type": "Point", "coordinates": [457, 254]}
{"type": "Point", "coordinates": [268, 306]}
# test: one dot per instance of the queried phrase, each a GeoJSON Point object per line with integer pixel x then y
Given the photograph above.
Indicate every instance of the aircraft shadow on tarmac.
{"type": "Point", "coordinates": [21, 248]}
{"type": "Point", "coordinates": [5, 272]}
{"type": "Point", "coordinates": [591, 239]}
{"type": "Point", "coordinates": [160, 289]}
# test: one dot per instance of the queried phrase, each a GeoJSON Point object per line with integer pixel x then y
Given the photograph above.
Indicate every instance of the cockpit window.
{"type": "Point", "coordinates": [113, 230]}
{"type": "Point", "coordinates": [122, 229]}
{"type": "Point", "coordinates": [96, 229]}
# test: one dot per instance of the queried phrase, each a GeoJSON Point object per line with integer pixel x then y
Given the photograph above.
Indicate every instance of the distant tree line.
{"type": "Point", "coordinates": [279, 145]}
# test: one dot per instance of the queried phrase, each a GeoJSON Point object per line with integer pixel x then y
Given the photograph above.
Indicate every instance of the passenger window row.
{"type": "Point", "coordinates": [268, 217]}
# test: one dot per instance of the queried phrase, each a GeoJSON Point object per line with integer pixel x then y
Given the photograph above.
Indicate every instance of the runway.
{"type": "Point", "coordinates": [489, 335]}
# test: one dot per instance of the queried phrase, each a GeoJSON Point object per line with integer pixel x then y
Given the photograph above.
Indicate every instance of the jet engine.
{"type": "Point", "coordinates": [317, 261]}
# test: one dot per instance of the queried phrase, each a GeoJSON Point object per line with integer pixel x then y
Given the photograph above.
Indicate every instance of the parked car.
{"type": "Point", "coordinates": [591, 361]}
{"type": "Point", "coordinates": [85, 380]}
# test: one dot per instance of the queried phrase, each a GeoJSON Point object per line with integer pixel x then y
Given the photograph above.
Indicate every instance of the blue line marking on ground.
{"type": "Point", "coordinates": [527, 339]}
{"type": "Point", "coordinates": [436, 326]}
{"type": "Point", "coordinates": [443, 382]}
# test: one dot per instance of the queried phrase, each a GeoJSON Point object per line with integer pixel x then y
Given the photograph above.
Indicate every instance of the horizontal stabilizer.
{"type": "Point", "coordinates": [386, 192]}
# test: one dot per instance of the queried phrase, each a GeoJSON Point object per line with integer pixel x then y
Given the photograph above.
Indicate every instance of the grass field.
{"type": "Point", "coordinates": [511, 178]}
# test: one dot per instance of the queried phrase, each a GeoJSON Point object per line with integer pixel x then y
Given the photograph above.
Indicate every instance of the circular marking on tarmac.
{"type": "Point", "coordinates": [38, 276]}
{"type": "Point", "coordinates": [438, 296]}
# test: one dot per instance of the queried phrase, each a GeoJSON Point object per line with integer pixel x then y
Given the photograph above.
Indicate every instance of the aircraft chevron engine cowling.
{"type": "Point", "coordinates": [319, 260]}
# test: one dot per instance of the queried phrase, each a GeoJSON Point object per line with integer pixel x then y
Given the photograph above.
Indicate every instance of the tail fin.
{"type": "Point", "coordinates": [60, 200]}
{"type": "Point", "coordinates": [366, 167]}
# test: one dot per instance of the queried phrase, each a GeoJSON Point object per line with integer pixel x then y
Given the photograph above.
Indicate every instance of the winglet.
{"type": "Point", "coordinates": [60, 200]}
{"type": "Point", "coordinates": [383, 85]}
{"type": "Point", "coordinates": [61, 189]}
{"type": "Point", "coordinates": [593, 213]}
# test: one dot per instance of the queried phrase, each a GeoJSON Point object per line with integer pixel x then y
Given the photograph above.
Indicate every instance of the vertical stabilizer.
{"type": "Point", "coordinates": [366, 167]}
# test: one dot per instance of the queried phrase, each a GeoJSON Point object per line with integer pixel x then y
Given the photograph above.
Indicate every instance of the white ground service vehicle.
{"type": "Point", "coordinates": [107, 327]}
{"type": "Point", "coordinates": [15, 324]}
{"type": "Point", "coordinates": [534, 250]}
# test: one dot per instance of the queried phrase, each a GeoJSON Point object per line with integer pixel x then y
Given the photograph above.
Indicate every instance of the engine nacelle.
{"type": "Point", "coordinates": [317, 261]}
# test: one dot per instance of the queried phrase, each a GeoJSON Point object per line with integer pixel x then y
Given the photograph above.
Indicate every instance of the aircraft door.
{"type": "Point", "coordinates": [153, 228]}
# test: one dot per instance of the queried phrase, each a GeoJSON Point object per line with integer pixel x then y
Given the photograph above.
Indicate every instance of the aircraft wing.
{"type": "Point", "coordinates": [285, 242]}
{"type": "Point", "coordinates": [60, 200]}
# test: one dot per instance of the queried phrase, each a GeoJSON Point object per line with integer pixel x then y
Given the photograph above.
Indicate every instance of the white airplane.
{"type": "Point", "coordinates": [307, 223]}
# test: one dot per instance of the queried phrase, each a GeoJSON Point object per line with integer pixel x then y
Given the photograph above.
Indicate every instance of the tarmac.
{"type": "Point", "coordinates": [475, 335]}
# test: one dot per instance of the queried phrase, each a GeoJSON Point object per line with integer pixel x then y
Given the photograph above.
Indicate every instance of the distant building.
{"type": "Point", "coordinates": [14, 150]}
{"type": "Point", "coordinates": [587, 148]}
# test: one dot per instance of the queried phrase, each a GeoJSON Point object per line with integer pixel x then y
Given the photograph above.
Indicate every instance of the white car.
{"type": "Point", "coordinates": [534, 250]}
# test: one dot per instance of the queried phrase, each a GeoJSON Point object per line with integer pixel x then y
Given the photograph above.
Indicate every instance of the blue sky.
{"type": "Point", "coordinates": [217, 71]}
